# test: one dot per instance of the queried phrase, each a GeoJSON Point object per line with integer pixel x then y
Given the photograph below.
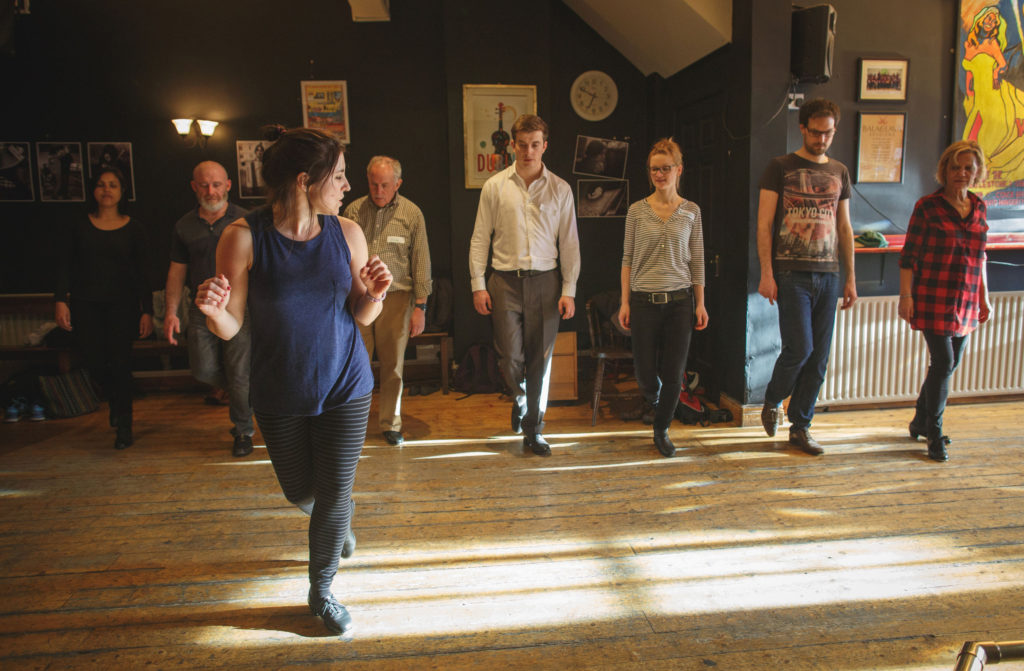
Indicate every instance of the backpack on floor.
{"type": "Point", "coordinates": [478, 371]}
{"type": "Point", "coordinates": [690, 409]}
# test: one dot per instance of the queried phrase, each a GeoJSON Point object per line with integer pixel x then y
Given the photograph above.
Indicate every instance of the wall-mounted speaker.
{"type": "Point", "coordinates": [813, 43]}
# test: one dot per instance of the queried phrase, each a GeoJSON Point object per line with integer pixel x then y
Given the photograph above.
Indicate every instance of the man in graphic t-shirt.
{"type": "Point", "coordinates": [803, 237]}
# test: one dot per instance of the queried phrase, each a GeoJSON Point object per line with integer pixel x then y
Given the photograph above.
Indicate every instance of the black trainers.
{"type": "Point", "coordinates": [242, 446]}
{"type": "Point", "coordinates": [770, 418]}
{"type": "Point", "coordinates": [334, 615]}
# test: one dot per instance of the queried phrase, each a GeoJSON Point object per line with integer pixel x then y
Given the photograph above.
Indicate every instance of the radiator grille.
{"type": "Point", "coordinates": [876, 357]}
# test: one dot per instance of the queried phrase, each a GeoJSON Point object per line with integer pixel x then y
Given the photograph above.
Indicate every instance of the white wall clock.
{"type": "Point", "coordinates": [594, 95]}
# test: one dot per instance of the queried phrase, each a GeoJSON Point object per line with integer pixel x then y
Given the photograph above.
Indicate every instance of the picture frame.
{"type": "Point", "coordinates": [249, 156]}
{"type": "Point", "coordinates": [59, 167]}
{"type": "Point", "coordinates": [325, 107]}
{"type": "Point", "coordinates": [601, 198]}
{"type": "Point", "coordinates": [883, 79]}
{"type": "Point", "coordinates": [881, 143]}
{"type": "Point", "coordinates": [600, 157]}
{"type": "Point", "coordinates": [488, 112]}
{"type": "Point", "coordinates": [16, 184]}
{"type": "Point", "coordinates": [115, 155]}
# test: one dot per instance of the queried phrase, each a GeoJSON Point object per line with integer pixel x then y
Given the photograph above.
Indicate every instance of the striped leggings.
{"type": "Point", "coordinates": [315, 460]}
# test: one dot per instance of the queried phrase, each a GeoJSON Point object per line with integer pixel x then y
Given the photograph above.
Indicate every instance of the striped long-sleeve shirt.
{"type": "Point", "coordinates": [397, 234]}
{"type": "Point", "coordinates": [663, 255]}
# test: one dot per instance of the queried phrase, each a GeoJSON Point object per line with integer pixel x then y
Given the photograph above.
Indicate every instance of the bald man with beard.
{"type": "Point", "coordinates": [223, 364]}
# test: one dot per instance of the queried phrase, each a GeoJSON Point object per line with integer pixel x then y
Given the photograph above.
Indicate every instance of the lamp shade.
{"type": "Point", "coordinates": [183, 126]}
{"type": "Point", "coordinates": [206, 127]}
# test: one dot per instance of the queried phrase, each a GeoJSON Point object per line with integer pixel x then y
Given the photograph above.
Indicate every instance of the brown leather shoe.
{"type": "Point", "coordinates": [770, 418]}
{"type": "Point", "coordinates": [802, 439]}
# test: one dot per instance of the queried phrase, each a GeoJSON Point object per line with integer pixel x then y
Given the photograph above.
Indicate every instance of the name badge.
{"type": "Point", "coordinates": [396, 239]}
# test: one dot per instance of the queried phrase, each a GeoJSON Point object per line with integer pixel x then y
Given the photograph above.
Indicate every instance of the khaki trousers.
{"type": "Point", "coordinates": [388, 335]}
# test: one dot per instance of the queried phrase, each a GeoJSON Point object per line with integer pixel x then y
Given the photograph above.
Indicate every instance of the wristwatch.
{"type": "Point", "coordinates": [421, 306]}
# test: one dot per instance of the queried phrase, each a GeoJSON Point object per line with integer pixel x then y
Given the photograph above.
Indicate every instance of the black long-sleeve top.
{"type": "Point", "coordinates": [105, 266]}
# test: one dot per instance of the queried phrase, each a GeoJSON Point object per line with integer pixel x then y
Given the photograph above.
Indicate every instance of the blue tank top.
{"type": "Point", "coordinates": [307, 354]}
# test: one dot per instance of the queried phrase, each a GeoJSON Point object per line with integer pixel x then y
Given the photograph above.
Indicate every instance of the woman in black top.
{"type": "Point", "coordinates": [101, 282]}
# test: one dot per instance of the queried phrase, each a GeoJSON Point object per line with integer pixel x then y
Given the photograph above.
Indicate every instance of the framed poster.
{"type": "Point", "coordinates": [114, 155]}
{"type": "Point", "coordinates": [602, 198]}
{"type": "Point", "coordinates": [488, 111]}
{"type": "Point", "coordinates": [325, 107]}
{"type": "Point", "coordinates": [883, 79]}
{"type": "Point", "coordinates": [60, 171]}
{"type": "Point", "coordinates": [987, 104]}
{"type": "Point", "coordinates": [249, 154]}
{"type": "Point", "coordinates": [880, 142]}
{"type": "Point", "coordinates": [16, 173]}
{"type": "Point", "coordinates": [600, 157]}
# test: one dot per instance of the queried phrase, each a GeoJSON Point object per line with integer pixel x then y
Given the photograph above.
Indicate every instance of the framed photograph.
{"type": "Point", "coordinates": [113, 155]}
{"type": "Point", "coordinates": [881, 139]}
{"type": "Point", "coordinates": [325, 106]}
{"type": "Point", "coordinates": [16, 173]}
{"type": "Point", "coordinates": [249, 154]}
{"type": "Point", "coordinates": [883, 79]}
{"type": "Point", "coordinates": [488, 112]}
{"type": "Point", "coordinates": [602, 198]}
{"type": "Point", "coordinates": [60, 171]}
{"type": "Point", "coordinates": [600, 157]}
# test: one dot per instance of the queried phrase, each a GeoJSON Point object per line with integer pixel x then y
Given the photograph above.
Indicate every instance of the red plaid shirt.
{"type": "Point", "coordinates": [947, 254]}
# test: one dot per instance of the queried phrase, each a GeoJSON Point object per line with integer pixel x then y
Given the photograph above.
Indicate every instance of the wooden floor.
{"type": "Point", "coordinates": [739, 553]}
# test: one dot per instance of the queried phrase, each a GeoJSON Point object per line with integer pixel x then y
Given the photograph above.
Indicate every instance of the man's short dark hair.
{"type": "Point", "coordinates": [528, 123]}
{"type": "Point", "coordinates": [819, 107]}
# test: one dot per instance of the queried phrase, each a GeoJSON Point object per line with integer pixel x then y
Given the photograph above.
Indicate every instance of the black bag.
{"type": "Point", "coordinates": [691, 410]}
{"type": "Point", "coordinates": [478, 371]}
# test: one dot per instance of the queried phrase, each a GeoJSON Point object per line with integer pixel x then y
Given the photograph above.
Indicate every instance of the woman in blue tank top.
{"type": "Point", "coordinates": [306, 278]}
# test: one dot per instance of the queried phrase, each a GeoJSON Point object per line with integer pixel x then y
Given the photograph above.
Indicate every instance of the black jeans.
{"type": "Point", "coordinates": [661, 342]}
{"type": "Point", "coordinates": [104, 333]}
{"type": "Point", "coordinates": [944, 354]}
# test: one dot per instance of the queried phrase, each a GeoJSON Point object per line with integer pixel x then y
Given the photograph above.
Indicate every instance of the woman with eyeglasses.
{"type": "Point", "coordinates": [662, 286]}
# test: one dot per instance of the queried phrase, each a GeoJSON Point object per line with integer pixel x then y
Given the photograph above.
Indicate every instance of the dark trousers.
{"type": "Point", "coordinates": [525, 318]}
{"type": "Point", "coordinates": [944, 353]}
{"type": "Point", "coordinates": [661, 342]}
{"type": "Point", "coordinates": [807, 318]}
{"type": "Point", "coordinates": [104, 333]}
{"type": "Point", "coordinates": [315, 461]}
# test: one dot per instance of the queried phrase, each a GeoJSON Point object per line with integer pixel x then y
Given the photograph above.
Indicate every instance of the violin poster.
{"type": "Point", "coordinates": [488, 112]}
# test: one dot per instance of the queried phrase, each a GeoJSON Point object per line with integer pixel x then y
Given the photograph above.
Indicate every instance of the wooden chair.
{"type": "Point", "coordinates": [606, 344]}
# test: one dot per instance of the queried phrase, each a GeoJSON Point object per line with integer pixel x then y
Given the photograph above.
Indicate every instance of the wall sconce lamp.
{"type": "Point", "coordinates": [195, 131]}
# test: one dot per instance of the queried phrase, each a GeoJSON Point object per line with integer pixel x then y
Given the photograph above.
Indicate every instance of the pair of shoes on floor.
{"type": "Point", "coordinates": [937, 448]}
{"type": "Point", "coordinates": [537, 444]}
{"type": "Point", "coordinates": [771, 418]}
{"type": "Point", "coordinates": [664, 443]}
{"type": "Point", "coordinates": [327, 608]}
{"type": "Point", "coordinates": [517, 419]}
{"type": "Point", "coordinates": [802, 439]}
{"type": "Point", "coordinates": [242, 446]}
{"type": "Point", "coordinates": [394, 438]}
{"type": "Point", "coordinates": [19, 409]}
{"type": "Point", "coordinates": [124, 438]}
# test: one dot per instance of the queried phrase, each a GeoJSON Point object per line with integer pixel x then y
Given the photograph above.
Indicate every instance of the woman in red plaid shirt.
{"type": "Point", "coordinates": [943, 287]}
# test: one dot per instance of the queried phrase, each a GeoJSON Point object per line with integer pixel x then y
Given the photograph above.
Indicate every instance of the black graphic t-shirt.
{"type": "Point", "coordinates": [805, 237]}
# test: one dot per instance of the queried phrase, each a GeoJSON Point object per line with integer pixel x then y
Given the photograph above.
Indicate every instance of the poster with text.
{"type": "Point", "coordinates": [488, 112]}
{"type": "Point", "coordinates": [325, 107]}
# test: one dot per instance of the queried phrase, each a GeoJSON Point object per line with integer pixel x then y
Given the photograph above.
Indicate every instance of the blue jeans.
{"type": "Point", "coordinates": [944, 354]}
{"type": "Point", "coordinates": [224, 364]}
{"type": "Point", "coordinates": [661, 342]}
{"type": "Point", "coordinates": [807, 317]}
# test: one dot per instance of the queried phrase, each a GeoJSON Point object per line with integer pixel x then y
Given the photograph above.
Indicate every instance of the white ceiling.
{"type": "Point", "coordinates": [662, 36]}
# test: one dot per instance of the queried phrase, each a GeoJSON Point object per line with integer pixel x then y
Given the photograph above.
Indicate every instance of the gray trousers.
{"type": "Point", "coordinates": [525, 318]}
{"type": "Point", "coordinates": [224, 364]}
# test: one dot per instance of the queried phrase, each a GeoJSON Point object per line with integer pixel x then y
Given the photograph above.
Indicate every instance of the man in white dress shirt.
{"type": "Point", "coordinates": [527, 220]}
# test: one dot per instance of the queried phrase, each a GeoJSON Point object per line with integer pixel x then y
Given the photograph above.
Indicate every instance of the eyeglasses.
{"type": "Point", "coordinates": [664, 169]}
{"type": "Point", "coordinates": [823, 134]}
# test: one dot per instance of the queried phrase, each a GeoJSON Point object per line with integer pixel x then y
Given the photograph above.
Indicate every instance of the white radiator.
{"type": "Point", "coordinates": [876, 357]}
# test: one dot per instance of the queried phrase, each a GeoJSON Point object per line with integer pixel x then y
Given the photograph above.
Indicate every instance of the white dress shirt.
{"type": "Point", "coordinates": [525, 228]}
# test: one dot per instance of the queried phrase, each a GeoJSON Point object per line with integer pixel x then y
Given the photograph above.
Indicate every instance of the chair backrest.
{"type": "Point", "coordinates": [603, 334]}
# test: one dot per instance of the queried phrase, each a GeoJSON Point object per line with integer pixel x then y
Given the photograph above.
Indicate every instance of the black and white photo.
{"type": "Point", "coordinates": [600, 157]}
{"type": "Point", "coordinates": [16, 172]}
{"type": "Point", "coordinates": [61, 177]}
{"type": "Point", "coordinates": [602, 197]}
{"type": "Point", "coordinates": [103, 155]}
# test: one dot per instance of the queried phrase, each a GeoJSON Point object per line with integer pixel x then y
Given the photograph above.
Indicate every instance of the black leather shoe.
{"type": "Point", "coordinates": [394, 437]}
{"type": "Point", "coordinates": [334, 615]}
{"type": "Point", "coordinates": [537, 445]}
{"type": "Point", "coordinates": [517, 419]}
{"type": "Point", "coordinates": [664, 444]}
{"type": "Point", "coordinates": [124, 438]}
{"type": "Point", "coordinates": [917, 431]}
{"type": "Point", "coordinates": [770, 418]}
{"type": "Point", "coordinates": [937, 448]}
{"type": "Point", "coordinates": [802, 439]}
{"type": "Point", "coordinates": [242, 446]}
